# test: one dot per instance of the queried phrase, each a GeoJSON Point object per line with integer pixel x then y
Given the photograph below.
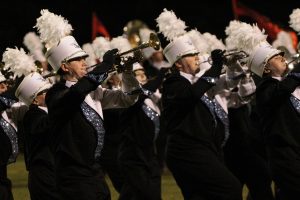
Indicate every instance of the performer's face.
{"type": "Point", "coordinates": [141, 76]}
{"type": "Point", "coordinates": [3, 87]}
{"type": "Point", "coordinates": [40, 99]}
{"type": "Point", "coordinates": [189, 64]}
{"type": "Point", "coordinates": [75, 68]}
{"type": "Point", "coordinates": [277, 66]}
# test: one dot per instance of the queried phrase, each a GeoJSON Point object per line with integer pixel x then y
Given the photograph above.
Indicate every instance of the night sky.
{"type": "Point", "coordinates": [19, 16]}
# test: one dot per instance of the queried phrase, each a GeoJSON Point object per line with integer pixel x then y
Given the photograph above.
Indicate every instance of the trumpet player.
{"type": "Point", "coordinates": [277, 101]}
{"type": "Point", "coordinates": [39, 157]}
{"type": "Point", "coordinates": [195, 123]}
{"type": "Point", "coordinates": [243, 153]}
{"type": "Point", "coordinates": [75, 110]}
{"type": "Point", "coordinates": [141, 127]}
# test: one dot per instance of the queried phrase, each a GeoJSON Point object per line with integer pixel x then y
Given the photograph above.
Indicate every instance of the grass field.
{"type": "Point", "coordinates": [18, 175]}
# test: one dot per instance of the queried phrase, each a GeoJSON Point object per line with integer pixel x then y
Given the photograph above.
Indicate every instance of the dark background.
{"type": "Point", "coordinates": [19, 16]}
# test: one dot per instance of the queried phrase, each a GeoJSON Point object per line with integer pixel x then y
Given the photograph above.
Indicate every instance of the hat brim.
{"type": "Point", "coordinates": [79, 54]}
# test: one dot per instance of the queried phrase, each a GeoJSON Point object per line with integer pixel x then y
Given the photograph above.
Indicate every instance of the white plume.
{"type": "Point", "coordinates": [169, 25]}
{"type": "Point", "coordinates": [120, 43]}
{"type": "Point", "coordinates": [91, 59]}
{"type": "Point", "coordinates": [243, 36]}
{"type": "Point", "coordinates": [52, 28]}
{"type": "Point", "coordinates": [18, 62]}
{"type": "Point", "coordinates": [34, 45]}
{"type": "Point", "coordinates": [284, 39]}
{"type": "Point", "coordinates": [32, 41]}
{"type": "Point", "coordinates": [199, 41]}
{"type": "Point", "coordinates": [295, 20]}
{"type": "Point", "coordinates": [213, 42]}
{"type": "Point", "coordinates": [145, 34]}
{"type": "Point", "coordinates": [100, 46]}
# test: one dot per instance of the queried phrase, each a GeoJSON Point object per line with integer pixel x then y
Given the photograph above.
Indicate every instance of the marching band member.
{"type": "Point", "coordinates": [245, 151]}
{"type": "Point", "coordinates": [194, 122]}
{"type": "Point", "coordinates": [75, 110]}
{"type": "Point", "coordinates": [154, 60]}
{"type": "Point", "coordinates": [8, 140]}
{"type": "Point", "coordinates": [277, 103]}
{"type": "Point", "coordinates": [138, 153]}
{"type": "Point", "coordinates": [39, 157]}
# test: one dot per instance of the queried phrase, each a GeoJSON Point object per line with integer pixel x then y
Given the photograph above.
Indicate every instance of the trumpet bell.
{"type": "Point", "coordinates": [154, 41]}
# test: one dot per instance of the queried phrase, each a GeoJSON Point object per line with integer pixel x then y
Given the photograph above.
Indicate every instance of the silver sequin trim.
{"type": "Point", "coordinates": [147, 92]}
{"type": "Point", "coordinates": [297, 75]}
{"type": "Point", "coordinates": [209, 79]}
{"type": "Point", "coordinates": [222, 115]}
{"type": "Point", "coordinates": [8, 102]}
{"type": "Point", "coordinates": [92, 116]}
{"type": "Point", "coordinates": [12, 135]}
{"type": "Point", "coordinates": [97, 78]}
{"type": "Point", "coordinates": [217, 111]}
{"type": "Point", "coordinates": [154, 118]}
{"type": "Point", "coordinates": [211, 106]}
{"type": "Point", "coordinates": [295, 103]}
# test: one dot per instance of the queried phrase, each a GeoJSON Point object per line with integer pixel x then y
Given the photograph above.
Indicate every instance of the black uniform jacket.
{"type": "Point", "coordinates": [37, 137]}
{"type": "Point", "coordinates": [279, 119]}
{"type": "Point", "coordinates": [188, 120]}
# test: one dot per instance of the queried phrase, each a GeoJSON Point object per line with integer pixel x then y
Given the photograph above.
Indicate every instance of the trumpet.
{"type": "Point", "coordinates": [152, 42]}
{"type": "Point", "coordinates": [294, 60]}
{"type": "Point", "coordinates": [122, 62]}
{"type": "Point", "coordinates": [238, 54]}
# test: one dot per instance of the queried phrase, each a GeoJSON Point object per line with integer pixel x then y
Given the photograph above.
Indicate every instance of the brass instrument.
{"type": "Point", "coordinates": [291, 59]}
{"type": "Point", "coordinates": [238, 54]}
{"type": "Point", "coordinates": [137, 54]}
{"type": "Point", "coordinates": [132, 31]}
{"type": "Point", "coordinates": [40, 70]}
{"type": "Point", "coordinates": [152, 42]}
{"type": "Point", "coordinates": [52, 73]}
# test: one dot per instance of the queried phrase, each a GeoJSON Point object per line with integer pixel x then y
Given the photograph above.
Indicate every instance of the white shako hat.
{"type": "Point", "coordinates": [55, 33]}
{"type": "Point", "coordinates": [249, 38]}
{"type": "Point", "coordinates": [30, 86]}
{"type": "Point", "coordinates": [21, 64]}
{"type": "Point", "coordinates": [137, 66]}
{"type": "Point", "coordinates": [174, 30]}
{"type": "Point", "coordinates": [260, 56]}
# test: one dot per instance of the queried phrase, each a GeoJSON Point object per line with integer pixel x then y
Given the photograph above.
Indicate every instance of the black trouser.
{"type": "Point", "coordinates": [78, 182]}
{"type": "Point", "coordinates": [201, 175]}
{"type": "Point", "coordinates": [285, 168]}
{"type": "Point", "coordinates": [251, 169]}
{"type": "Point", "coordinates": [5, 185]}
{"type": "Point", "coordinates": [110, 165]}
{"type": "Point", "coordinates": [141, 182]}
{"type": "Point", "coordinates": [142, 177]}
{"type": "Point", "coordinates": [41, 183]}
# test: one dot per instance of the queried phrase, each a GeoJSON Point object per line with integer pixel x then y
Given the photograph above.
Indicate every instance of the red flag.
{"type": "Point", "coordinates": [98, 27]}
{"type": "Point", "coordinates": [263, 22]}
